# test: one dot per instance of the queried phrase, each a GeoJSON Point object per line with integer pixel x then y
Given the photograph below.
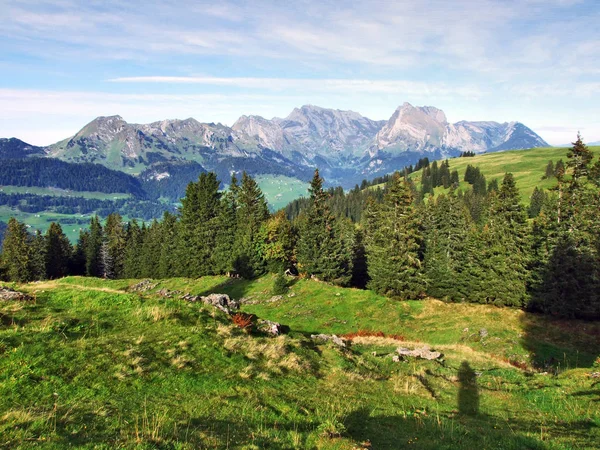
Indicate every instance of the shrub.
{"type": "Point", "coordinates": [280, 284]}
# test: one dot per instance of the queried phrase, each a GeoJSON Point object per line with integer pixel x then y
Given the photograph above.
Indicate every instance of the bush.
{"type": "Point", "coordinates": [280, 284]}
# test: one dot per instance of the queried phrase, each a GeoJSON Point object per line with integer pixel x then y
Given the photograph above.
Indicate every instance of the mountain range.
{"type": "Point", "coordinates": [346, 146]}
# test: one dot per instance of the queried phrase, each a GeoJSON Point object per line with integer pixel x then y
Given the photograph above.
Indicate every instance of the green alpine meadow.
{"type": "Point", "coordinates": [308, 225]}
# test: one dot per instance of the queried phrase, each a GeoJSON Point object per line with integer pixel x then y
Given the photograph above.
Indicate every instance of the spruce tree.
{"type": "Point", "coordinates": [393, 242]}
{"type": "Point", "coordinates": [37, 250]}
{"type": "Point", "coordinates": [537, 201]}
{"type": "Point", "coordinates": [223, 255]}
{"type": "Point", "coordinates": [16, 253]}
{"type": "Point", "coordinates": [93, 252]}
{"type": "Point", "coordinates": [549, 170]}
{"type": "Point", "coordinates": [506, 249]}
{"type": "Point", "coordinates": [447, 235]}
{"type": "Point", "coordinates": [168, 246]}
{"type": "Point", "coordinates": [251, 214]}
{"type": "Point", "coordinates": [133, 249]}
{"type": "Point", "coordinates": [116, 237]}
{"type": "Point", "coordinates": [323, 243]}
{"type": "Point", "coordinates": [198, 229]}
{"type": "Point", "coordinates": [58, 252]}
{"type": "Point", "coordinates": [77, 264]}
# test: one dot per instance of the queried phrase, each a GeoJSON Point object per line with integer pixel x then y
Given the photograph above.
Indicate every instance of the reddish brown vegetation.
{"type": "Point", "coordinates": [244, 321]}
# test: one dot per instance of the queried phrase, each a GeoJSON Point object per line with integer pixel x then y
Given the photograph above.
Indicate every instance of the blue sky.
{"type": "Point", "coordinates": [64, 62]}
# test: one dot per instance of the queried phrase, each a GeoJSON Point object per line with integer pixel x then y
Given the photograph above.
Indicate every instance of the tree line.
{"type": "Point", "coordinates": [479, 246]}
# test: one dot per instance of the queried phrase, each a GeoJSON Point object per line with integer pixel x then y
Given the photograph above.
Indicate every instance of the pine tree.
{"type": "Point", "coordinates": [37, 250]}
{"type": "Point", "coordinates": [549, 170]}
{"type": "Point", "coordinates": [506, 249]}
{"type": "Point", "coordinates": [116, 236]}
{"type": "Point", "coordinates": [16, 254]}
{"type": "Point", "coordinates": [197, 227]}
{"type": "Point", "coordinates": [251, 214]}
{"type": "Point", "coordinates": [133, 249]}
{"type": "Point", "coordinates": [77, 264]}
{"type": "Point", "coordinates": [168, 246]}
{"type": "Point", "coordinates": [580, 157]}
{"type": "Point", "coordinates": [447, 235]}
{"type": "Point", "coordinates": [537, 201]}
{"type": "Point", "coordinates": [151, 251]}
{"type": "Point", "coordinates": [324, 247]}
{"type": "Point", "coordinates": [223, 255]}
{"type": "Point", "coordinates": [58, 252]}
{"type": "Point", "coordinates": [393, 242]}
{"type": "Point", "coordinates": [93, 250]}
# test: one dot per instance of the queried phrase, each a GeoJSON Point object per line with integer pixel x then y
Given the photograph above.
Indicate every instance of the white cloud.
{"type": "Point", "coordinates": [404, 87]}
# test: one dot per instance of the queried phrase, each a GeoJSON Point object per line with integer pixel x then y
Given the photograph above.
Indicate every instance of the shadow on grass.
{"type": "Point", "coordinates": [410, 429]}
{"type": "Point", "coordinates": [560, 344]}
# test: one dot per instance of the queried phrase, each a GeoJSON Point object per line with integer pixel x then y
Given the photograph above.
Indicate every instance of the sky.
{"type": "Point", "coordinates": [65, 62]}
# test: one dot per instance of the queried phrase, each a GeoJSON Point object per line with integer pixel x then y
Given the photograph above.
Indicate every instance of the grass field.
{"type": "Point", "coordinates": [55, 192]}
{"type": "Point", "coordinates": [280, 190]}
{"type": "Point", "coordinates": [89, 364]}
{"type": "Point", "coordinates": [41, 221]}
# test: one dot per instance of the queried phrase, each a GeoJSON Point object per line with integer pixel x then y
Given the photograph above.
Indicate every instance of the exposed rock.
{"type": "Point", "coordinates": [168, 294]}
{"type": "Point", "coordinates": [291, 294]}
{"type": "Point", "coordinates": [269, 327]}
{"type": "Point", "coordinates": [12, 295]}
{"type": "Point", "coordinates": [143, 286]}
{"type": "Point", "coordinates": [483, 333]}
{"type": "Point", "coordinates": [395, 358]}
{"type": "Point", "coordinates": [595, 375]}
{"type": "Point", "coordinates": [275, 298]}
{"type": "Point", "coordinates": [423, 353]}
{"type": "Point", "coordinates": [222, 302]}
{"type": "Point", "coordinates": [190, 298]}
{"type": "Point", "coordinates": [340, 342]}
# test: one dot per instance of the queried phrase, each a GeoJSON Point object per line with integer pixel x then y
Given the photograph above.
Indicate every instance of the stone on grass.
{"type": "Point", "coordinates": [12, 295]}
{"type": "Point", "coordinates": [330, 338]}
{"type": "Point", "coordinates": [421, 353]}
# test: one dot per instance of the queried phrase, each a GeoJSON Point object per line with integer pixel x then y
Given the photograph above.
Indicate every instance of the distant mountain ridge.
{"type": "Point", "coordinates": [345, 145]}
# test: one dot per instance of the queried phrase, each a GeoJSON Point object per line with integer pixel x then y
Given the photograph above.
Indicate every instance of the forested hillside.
{"type": "Point", "coordinates": [482, 245]}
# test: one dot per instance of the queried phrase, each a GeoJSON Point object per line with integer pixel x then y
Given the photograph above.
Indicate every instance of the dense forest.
{"type": "Point", "coordinates": [480, 246]}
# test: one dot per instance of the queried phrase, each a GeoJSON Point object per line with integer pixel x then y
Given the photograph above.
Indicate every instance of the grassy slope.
{"type": "Point", "coordinates": [528, 167]}
{"type": "Point", "coordinates": [91, 365]}
{"type": "Point", "coordinates": [280, 190]}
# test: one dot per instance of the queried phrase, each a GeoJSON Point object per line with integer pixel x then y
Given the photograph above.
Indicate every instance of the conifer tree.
{"type": "Point", "coordinates": [549, 170]}
{"type": "Point", "coordinates": [77, 265]}
{"type": "Point", "coordinates": [16, 254]}
{"type": "Point", "coordinates": [133, 249]}
{"type": "Point", "coordinates": [37, 250]}
{"type": "Point", "coordinates": [93, 252]}
{"type": "Point", "coordinates": [445, 259]}
{"type": "Point", "coordinates": [168, 246]}
{"type": "Point", "coordinates": [506, 249]}
{"type": "Point", "coordinates": [151, 251]}
{"type": "Point", "coordinates": [223, 256]}
{"type": "Point", "coordinates": [323, 250]}
{"type": "Point", "coordinates": [393, 242]}
{"type": "Point", "coordinates": [116, 237]}
{"type": "Point", "coordinates": [58, 252]}
{"type": "Point", "coordinates": [251, 214]}
{"type": "Point", "coordinates": [537, 201]}
{"type": "Point", "coordinates": [197, 227]}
